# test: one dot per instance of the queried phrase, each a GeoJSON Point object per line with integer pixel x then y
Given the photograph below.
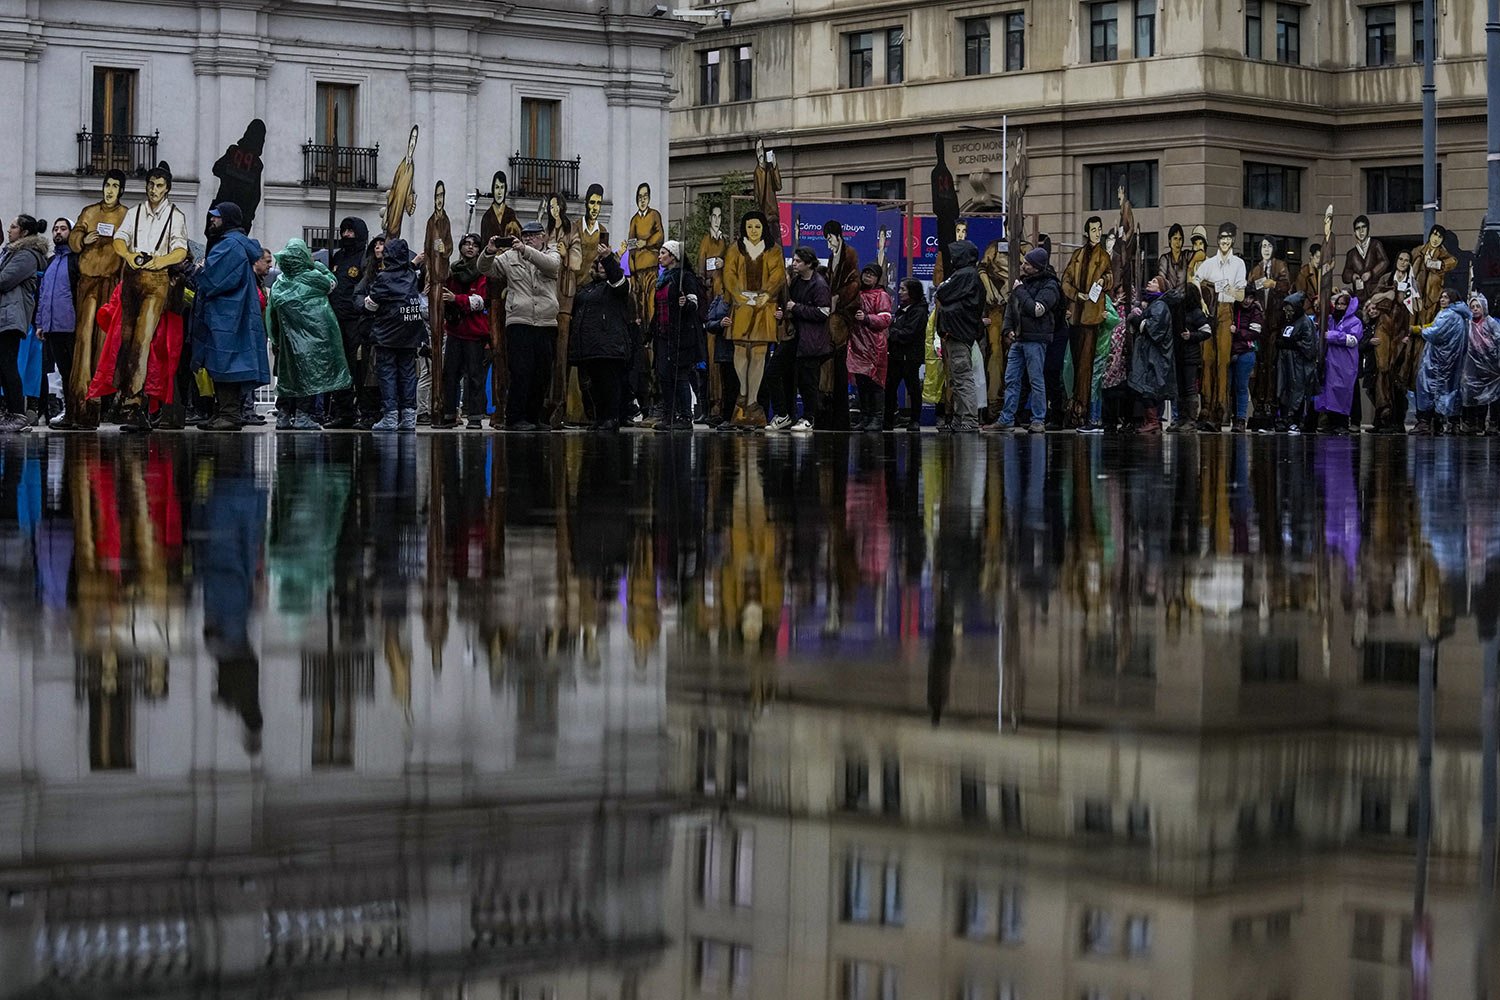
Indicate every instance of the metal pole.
{"type": "Point", "coordinates": [333, 188]}
{"type": "Point", "coordinates": [1004, 165]}
{"type": "Point", "coordinates": [1429, 116]}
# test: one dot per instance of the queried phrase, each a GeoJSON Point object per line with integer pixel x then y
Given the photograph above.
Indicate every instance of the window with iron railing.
{"type": "Point", "coordinates": [354, 166]}
{"type": "Point", "coordinates": [537, 177]}
{"type": "Point", "coordinates": [101, 152]}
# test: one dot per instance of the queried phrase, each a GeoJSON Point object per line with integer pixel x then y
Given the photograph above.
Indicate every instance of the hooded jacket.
{"type": "Point", "coordinates": [961, 298]}
{"type": "Point", "coordinates": [229, 334]}
{"type": "Point", "coordinates": [1038, 289]}
{"type": "Point", "coordinates": [907, 332]}
{"type": "Point", "coordinates": [529, 279]}
{"type": "Point", "coordinates": [1442, 364]}
{"type": "Point", "coordinates": [467, 316]}
{"type": "Point", "coordinates": [1153, 373]}
{"type": "Point", "coordinates": [348, 267]}
{"type": "Point", "coordinates": [20, 264]}
{"type": "Point", "coordinates": [395, 292]}
{"type": "Point", "coordinates": [808, 304]}
{"type": "Point", "coordinates": [302, 327]}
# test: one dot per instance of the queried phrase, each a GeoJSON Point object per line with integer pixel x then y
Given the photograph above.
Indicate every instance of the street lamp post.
{"type": "Point", "coordinates": [1429, 115]}
{"type": "Point", "coordinates": [1487, 255]}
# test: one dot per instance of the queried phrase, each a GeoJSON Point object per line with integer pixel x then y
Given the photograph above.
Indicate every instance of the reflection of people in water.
{"type": "Point", "coordinates": [229, 526]}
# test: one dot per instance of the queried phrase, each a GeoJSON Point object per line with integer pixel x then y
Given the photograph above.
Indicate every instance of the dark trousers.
{"type": "Point", "coordinates": [529, 351]}
{"type": "Point", "coordinates": [463, 364]}
{"type": "Point", "coordinates": [359, 398]}
{"type": "Point", "coordinates": [60, 346]}
{"type": "Point", "coordinates": [397, 369]}
{"type": "Point", "coordinates": [602, 381]}
{"type": "Point", "coordinates": [806, 373]}
{"type": "Point", "coordinates": [905, 372]}
{"type": "Point", "coordinates": [776, 385]}
{"type": "Point", "coordinates": [1052, 375]}
{"type": "Point", "coordinates": [10, 372]}
{"type": "Point", "coordinates": [729, 389]}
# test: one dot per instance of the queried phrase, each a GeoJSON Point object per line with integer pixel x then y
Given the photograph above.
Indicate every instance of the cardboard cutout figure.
{"type": "Point", "coordinates": [152, 238]}
{"type": "Point", "coordinates": [767, 182]}
{"type": "Point", "coordinates": [944, 204]}
{"type": "Point", "coordinates": [1393, 309]}
{"type": "Point", "coordinates": [994, 275]}
{"type": "Point", "coordinates": [1431, 263]}
{"type": "Point", "coordinates": [99, 266]}
{"type": "Point", "coordinates": [711, 251]}
{"type": "Point", "coordinates": [564, 397]}
{"type": "Point", "coordinates": [644, 239]}
{"type": "Point", "coordinates": [593, 237]}
{"type": "Point", "coordinates": [1366, 262]}
{"type": "Point", "coordinates": [1198, 252]}
{"type": "Point", "coordinates": [437, 242]}
{"type": "Point", "coordinates": [1088, 279]}
{"type": "Point", "coordinates": [239, 170]}
{"type": "Point", "coordinates": [754, 277]}
{"type": "Point", "coordinates": [1123, 253]}
{"type": "Point", "coordinates": [1172, 266]}
{"type": "Point", "coordinates": [401, 199]}
{"type": "Point", "coordinates": [1270, 282]}
{"type": "Point", "coordinates": [1222, 279]}
{"type": "Point", "coordinates": [499, 220]}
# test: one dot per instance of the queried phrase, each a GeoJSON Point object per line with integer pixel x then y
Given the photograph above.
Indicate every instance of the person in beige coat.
{"type": "Point", "coordinates": [527, 270]}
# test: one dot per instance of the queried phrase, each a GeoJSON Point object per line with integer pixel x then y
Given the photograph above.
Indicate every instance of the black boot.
{"type": "Point", "coordinates": [228, 406]}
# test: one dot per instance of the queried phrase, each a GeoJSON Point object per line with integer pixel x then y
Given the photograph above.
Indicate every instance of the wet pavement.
{"type": "Point", "coordinates": [893, 717]}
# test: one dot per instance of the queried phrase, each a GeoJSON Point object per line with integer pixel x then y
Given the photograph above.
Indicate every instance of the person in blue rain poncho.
{"type": "Point", "coordinates": [229, 335]}
{"type": "Point", "coordinates": [1439, 373]}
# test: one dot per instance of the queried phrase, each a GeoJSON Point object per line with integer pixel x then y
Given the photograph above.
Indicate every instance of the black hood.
{"type": "Point", "coordinates": [361, 233]}
{"type": "Point", "coordinates": [397, 253]}
{"type": "Point", "coordinates": [962, 253]}
{"type": "Point", "coordinates": [254, 139]}
{"type": "Point", "coordinates": [230, 216]}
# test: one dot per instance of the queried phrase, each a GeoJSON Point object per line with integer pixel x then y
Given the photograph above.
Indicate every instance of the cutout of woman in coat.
{"type": "Point", "coordinates": [401, 199]}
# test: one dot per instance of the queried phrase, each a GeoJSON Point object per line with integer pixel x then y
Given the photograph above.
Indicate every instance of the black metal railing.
{"type": "Point", "coordinates": [100, 152]}
{"type": "Point", "coordinates": [536, 177]}
{"type": "Point", "coordinates": [357, 166]}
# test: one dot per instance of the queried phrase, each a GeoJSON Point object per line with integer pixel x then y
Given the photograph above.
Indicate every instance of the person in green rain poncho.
{"type": "Point", "coordinates": [304, 334]}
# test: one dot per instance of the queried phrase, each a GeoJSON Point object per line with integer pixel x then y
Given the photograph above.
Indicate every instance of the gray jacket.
{"type": "Point", "coordinates": [19, 266]}
{"type": "Point", "coordinates": [529, 277]}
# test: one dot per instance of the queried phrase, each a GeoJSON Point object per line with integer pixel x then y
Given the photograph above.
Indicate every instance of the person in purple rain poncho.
{"type": "Point", "coordinates": [1481, 378]}
{"type": "Point", "coordinates": [1442, 364]}
{"type": "Point", "coordinates": [1341, 365]}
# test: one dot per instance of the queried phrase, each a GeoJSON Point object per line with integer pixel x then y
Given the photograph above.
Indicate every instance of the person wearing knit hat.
{"type": "Point", "coordinates": [1026, 331]}
{"type": "Point", "coordinates": [673, 249]}
{"type": "Point", "coordinates": [1222, 280]}
{"type": "Point", "coordinates": [677, 338]}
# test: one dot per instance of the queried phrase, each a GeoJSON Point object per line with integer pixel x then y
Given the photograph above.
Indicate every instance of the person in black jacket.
{"type": "Point", "coordinates": [599, 339]}
{"type": "Point", "coordinates": [349, 264]}
{"type": "Point", "coordinates": [1193, 328]}
{"type": "Point", "coordinates": [1028, 327]}
{"type": "Point", "coordinates": [1296, 362]}
{"type": "Point", "coordinates": [677, 331]}
{"type": "Point", "coordinates": [960, 308]}
{"type": "Point", "coordinates": [398, 328]}
{"type": "Point", "coordinates": [904, 342]}
{"type": "Point", "coordinates": [808, 303]}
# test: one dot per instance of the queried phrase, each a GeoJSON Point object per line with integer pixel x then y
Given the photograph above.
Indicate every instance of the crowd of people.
{"type": "Point", "coordinates": [539, 325]}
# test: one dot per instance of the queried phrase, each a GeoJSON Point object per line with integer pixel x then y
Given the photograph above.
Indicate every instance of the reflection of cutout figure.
{"type": "Point", "coordinates": [754, 275]}
{"type": "Point", "coordinates": [767, 182]}
{"type": "Point", "coordinates": [643, 240]}
{"type": "Point", "coordinates": [239, 170]}
{"type": "Point", "coordinates": [92, 239]}
{"type": "Point", "coordinates": [401, 199]}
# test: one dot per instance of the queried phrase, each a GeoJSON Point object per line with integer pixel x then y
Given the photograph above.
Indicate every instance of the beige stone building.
{"type": "Point", "coordinates": [1256, 111]}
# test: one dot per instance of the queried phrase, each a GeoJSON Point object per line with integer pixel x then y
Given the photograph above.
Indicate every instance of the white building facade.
{"type": "Point", "coordinates": [559, 97]}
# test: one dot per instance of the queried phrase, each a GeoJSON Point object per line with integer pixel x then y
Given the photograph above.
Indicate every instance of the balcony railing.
{"type": "Point", "coordinates": [357, 166]}
{"type": "Point", "coordinates": [100, 152]}
{"type": "Point", "coordinates": [536, 177]}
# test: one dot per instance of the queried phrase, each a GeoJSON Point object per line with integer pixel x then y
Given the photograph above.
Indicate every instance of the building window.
{"type": "Point", "coordinates": [1137, 936]}
{"type": "Point", "coordinates": [861, 58]}
{"type": "Point", "coordinates": [1254, 32]}
{"type": "Point", "coordinates": [1138, 821]}
{"type": "Point", "coordinates": [1284, 816]}
{"type": "Point", "coordinates": [892, 189]}
{"type": "Point", "coordinates": [743, 88]}
{"type": "Point", "coordinates": [1419, 35]}
{"type": "Point", "coordinates": [974, 918]}
{"type": "Point", "coordinates": [872, 892]}
{"type": "Point", "coordinates": [1011, 922]}
{"type": "Point", "coordinates": [856, 784]}
{"type": "Point", "coordinates": [895, 55]}
{"type": "Point", "coordinates": [971, 805]}
{"type": "Point", "coordinates": [1098, 935]}
{"type": "Point", "coordinates": [1289, 249]}
{"type": "Point", "coordinates": [1139, 178]}
{"type": "Point", "coordinates": [1369, 936]}
{"type": "Point", "coordinates": [1015, 42]}
{"type": "Point", "coordinates": [114, 101]}
{"type": "Point", "coordinates": [708, 77]}
{"type": "Point", "coordinates": [890, 787]}
{"type": "Point", "coordinates": [1380, 35]}
{"type": "Point", "coordinates": [1104, 41]}
{"type": "Point", "coordinates": [1396, 189]}
{"type": "Point", "coordinates": [1392, 663]}
{"type": "Point", "coordinates": [1010, 807]}
{"type": "Point", "coordinates": [722, 969]}
{"type": "Point", "coordinates": [1096, 817]}
{"type": "Point", "coordinates": [336, 102]}
{"type": "Point", "coordinates": [739, 765]}
{"type": "Point", "coordinates": [707, 761]}
{"type": "Point", "coordinates": [726, 866]}
{"type": "Point", "coordinates": [1289, 34]}
{"type": "Point", "coordinates": [976, 46]}
{"type": "Point", "coordinates": [868, 981]}
{"type": "Point", "coordinates": [1279, 926]}
{"type": "Point", "coordinates": [1145, 28]}
{"type": "Point", "coordinates": [1266, 659]}
{"type": "Point", "coordinates": [1271, 187]}
{"type": "Point", "coordinates": [539, 121]}
{"type": "Point", "coordinates": [1374, 811]}
{"type": "Point", "coordinates": [1241, 930]}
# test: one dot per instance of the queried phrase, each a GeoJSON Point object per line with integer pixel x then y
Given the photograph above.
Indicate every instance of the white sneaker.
{"type": "Point", "coordinates": [781, 423]}
{"type": "Point", "coordinates": [803, 426]}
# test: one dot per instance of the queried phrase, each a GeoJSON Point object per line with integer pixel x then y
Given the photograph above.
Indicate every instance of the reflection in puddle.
{"type": "Point", "coordinates": [628, 718]}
